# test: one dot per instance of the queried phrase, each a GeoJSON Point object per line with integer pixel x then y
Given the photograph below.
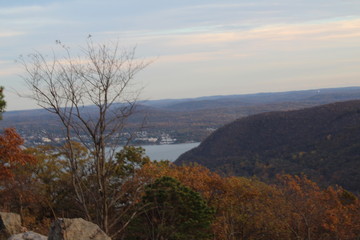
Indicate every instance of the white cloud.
{"type": "Point", "coordinates": [8, 68]}
{"type": "Point", "coordinates": [10, 34]}
{"type": "Point", "coordinates": [283, 32]}
{"type": "Point", "coordinates": [219, 55]}
{"type": "Point", "coordinates": [22, 10]}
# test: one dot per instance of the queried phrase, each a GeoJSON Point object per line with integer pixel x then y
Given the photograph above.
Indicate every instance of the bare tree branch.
{"type": "Point", "coordinates": [102, 77]}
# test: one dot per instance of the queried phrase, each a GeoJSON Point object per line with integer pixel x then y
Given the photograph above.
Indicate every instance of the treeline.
{"type": "Point", "coordinates": [159, 200]}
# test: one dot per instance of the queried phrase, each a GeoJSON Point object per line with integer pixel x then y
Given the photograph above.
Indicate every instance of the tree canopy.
{"type": "Point", "coordinates": [173, 211]}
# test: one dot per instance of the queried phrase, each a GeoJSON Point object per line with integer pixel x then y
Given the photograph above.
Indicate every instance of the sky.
{"type": "Point", "coordinates": [197, 48]}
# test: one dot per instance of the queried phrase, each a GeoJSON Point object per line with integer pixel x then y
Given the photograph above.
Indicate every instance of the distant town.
{"type": "Point", "coordinates": [35, 138]}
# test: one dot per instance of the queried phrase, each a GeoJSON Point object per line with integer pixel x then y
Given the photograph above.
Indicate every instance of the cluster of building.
{"type": "Point", "coordinates": [144, 138]}
{"type": "Point", "coordinates": [141, 137]}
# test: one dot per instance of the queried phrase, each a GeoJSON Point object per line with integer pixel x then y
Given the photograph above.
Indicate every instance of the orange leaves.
{"type": "Point", "coordinates": [198, 178]}
{"type": "Point", "coordinates": [341, 217]}
{"type": "Point", "coordinates": [296, 208]}
{"type": "Point", "coordinates": [243, 206]}
{"type": "Point", "coordinates": [11, 153]}
{"type": "Point", "coordinates": [332, 213]}
{"type": "Point", "coordinates": [246, 211]}
{"type": "Point", "coordinates": [15, 177]}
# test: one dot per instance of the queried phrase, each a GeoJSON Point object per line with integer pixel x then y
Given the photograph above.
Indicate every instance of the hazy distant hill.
{"type": "Point", "coordinates": [190, 119]}
{"type": "Point", "coordinates": [323, 142]}
{"type": "Point", "coordinates": [316, 96]}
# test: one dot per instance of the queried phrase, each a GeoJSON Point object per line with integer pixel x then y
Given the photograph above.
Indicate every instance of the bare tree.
{"type": "Point", "coordinates": [101, 76]}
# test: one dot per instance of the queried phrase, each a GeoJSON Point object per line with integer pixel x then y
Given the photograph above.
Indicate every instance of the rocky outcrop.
{"type": "Point", "coordinates": [10, 224]}
{"type": "Point", "coordinates": [28, 236]}
{"type": "Point", "coordinates": [76, 229]}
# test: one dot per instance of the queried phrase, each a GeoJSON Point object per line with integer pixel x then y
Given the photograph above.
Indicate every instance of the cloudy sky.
{"type": "Point", "coordinates": [200, 47]}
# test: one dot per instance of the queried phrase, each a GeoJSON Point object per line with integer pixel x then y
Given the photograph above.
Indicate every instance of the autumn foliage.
{"type": "Point", "coordinates": [243, 208]}
{"type": "Point", "coordinates": [246, 208]}
{"type": "Point", "coordinates": [12, 155]}
{"type": "Point", "coordinates": [314, 213]}
{"type": "Point", "coordinates": [17, 176]}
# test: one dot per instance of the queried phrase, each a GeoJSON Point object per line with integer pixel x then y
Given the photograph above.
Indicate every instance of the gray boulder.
{"type": "Point", "coordinates": [75, 229]}
{"type": "Point", "coordinates": [28, 236]}
{"type": "Point", "coordinates": [10, 224]}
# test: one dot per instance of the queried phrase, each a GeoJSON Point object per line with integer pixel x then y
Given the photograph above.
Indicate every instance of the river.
{"type": "Point", "coordinates": [169, 151]}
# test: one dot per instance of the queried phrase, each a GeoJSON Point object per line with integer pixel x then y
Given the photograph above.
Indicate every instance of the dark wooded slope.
{"type": "Point", "coordinates": [322, 142]}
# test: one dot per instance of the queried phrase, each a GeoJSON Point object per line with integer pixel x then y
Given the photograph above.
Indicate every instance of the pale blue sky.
{"type": "Point", "coordinates": [201, 47]}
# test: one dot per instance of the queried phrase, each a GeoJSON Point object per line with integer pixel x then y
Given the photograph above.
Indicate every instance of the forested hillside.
{"type": "Point", "coordinates": [322, 142]}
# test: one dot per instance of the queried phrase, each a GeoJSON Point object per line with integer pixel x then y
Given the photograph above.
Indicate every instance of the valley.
{"type": "Point", "coordinates": [178, 120]}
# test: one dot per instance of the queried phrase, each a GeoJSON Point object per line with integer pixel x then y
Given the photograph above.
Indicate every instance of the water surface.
{"type": "Point", "coordinates": [168, 152]}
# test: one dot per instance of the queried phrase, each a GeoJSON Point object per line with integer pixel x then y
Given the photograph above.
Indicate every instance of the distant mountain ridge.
{"type": "Point", "coordinates": [320, 96]}
{"type": "Point", "coordinates": [323, 142]}
{"type": "Point", "coordinates": [190, 119]}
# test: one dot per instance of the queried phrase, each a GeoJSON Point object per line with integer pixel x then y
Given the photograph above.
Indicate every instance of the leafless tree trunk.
{"type": "Point", "coordinates": [102, 76]}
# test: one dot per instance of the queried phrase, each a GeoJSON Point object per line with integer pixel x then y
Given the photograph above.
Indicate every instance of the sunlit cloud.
{"type": "Point", "coordinates": [223, 5]}
{"type": "Point", "coordinates": [8, 68]}
{"type": "Point", "coordinates": [315, 32]}
{"type": "Point", "coordinates": [8, 72]}
{"type": "Point", "coordinates": [200, 57]}
{"type": "Point", "coordinates": [22, 10]}
{"type": "Point", "coordinates": [10, 34]}
{"type": "Point", "coordinates": [213, 35]}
